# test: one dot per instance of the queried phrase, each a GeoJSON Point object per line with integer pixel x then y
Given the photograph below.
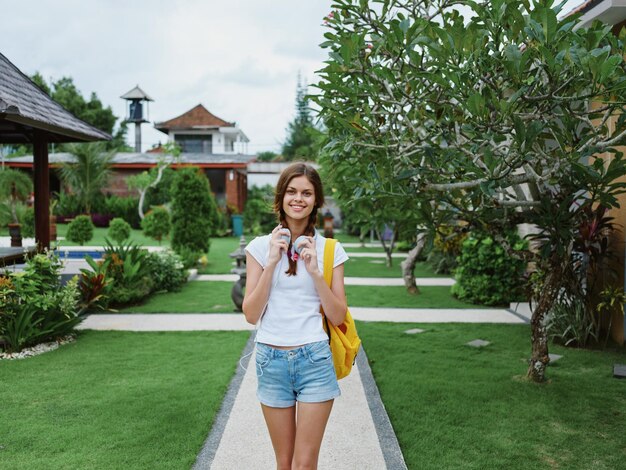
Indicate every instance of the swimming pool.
{"type": "Point", "coordinates": [79, 254]}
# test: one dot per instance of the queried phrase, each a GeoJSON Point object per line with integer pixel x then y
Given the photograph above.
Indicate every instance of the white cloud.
{"type": "Point", "coordinates": [239, 58]}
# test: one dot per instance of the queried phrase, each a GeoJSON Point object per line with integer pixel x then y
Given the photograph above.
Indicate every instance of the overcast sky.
{"type": "Point", "coordinates": [239, 58]}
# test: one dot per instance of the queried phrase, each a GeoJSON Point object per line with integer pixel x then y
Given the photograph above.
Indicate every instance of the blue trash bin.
{"type": "Point", "coordinates": [237, 224]}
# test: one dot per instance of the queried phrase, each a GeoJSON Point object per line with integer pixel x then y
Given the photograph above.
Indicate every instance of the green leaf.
{"type": "Point", "coordinates": [476, 104]}
{"type": "Point", "coordinates": [514, 55]}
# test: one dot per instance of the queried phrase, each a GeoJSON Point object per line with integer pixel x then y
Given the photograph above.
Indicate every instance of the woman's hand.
{"type": "Point", "coordinates": [308, 253]}
{"type": "Point", "coordinates": [277, 245]}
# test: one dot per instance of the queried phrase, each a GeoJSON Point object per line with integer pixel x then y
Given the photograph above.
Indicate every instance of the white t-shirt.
{"type": "Point", "coordinates": [293, 314]}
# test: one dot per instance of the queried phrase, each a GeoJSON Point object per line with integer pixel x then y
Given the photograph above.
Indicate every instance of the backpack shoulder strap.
{"type": "Point", "coordinates": [329, 260]}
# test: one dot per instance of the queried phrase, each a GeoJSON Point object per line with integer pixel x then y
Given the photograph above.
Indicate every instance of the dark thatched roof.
{"type": "Point", "coordinates": [25, 109]}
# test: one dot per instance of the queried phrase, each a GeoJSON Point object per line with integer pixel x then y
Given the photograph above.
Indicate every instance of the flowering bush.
{"type": "Point", "coordinates": [34, 306]}
{"type": "Point", "coordinates": [129, 272]}
{"type": "Point", "coordinates": [166, 270]}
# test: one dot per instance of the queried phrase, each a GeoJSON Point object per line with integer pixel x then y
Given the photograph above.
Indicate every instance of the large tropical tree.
{"type": "Point", "coordinates": [88, 173]}
{"type": "Point", "coordinates": [496, 113]}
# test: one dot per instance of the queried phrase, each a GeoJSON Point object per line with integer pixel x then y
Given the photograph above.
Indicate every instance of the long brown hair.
{"type": "Point", "coordinates": [289, 173]}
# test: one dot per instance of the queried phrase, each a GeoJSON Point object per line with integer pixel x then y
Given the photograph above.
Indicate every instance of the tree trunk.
{"type": "Point", "coordinates": [388, 248]}
{"type": "Point", "coordinates": [142, 197]}
{"type": "Point", "coordinates": [143, 191]}
{"type": "Point", "coordinates": [408, 265]}
{"type": "Point", "coordinates": [539, 335]}
{"type": "Point", "coordinates": [362, 234]}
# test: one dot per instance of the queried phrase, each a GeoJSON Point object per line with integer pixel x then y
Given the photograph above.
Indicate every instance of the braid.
{"type": "Point", "coordinates": [309, 231]}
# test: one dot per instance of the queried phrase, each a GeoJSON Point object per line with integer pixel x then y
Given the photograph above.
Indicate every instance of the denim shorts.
{"type": "Point", "coordinates": [305, 374]}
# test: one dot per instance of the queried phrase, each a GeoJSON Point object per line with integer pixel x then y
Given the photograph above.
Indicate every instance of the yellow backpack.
{"type": "Point", "coordinates": [344, 339]}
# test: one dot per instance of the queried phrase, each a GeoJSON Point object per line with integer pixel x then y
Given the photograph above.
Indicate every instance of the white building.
{"type": "Point", "coordinates": [199, 131]}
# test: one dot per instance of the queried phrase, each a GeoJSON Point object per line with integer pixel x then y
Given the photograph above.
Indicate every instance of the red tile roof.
{"type": "Point", "coordinates": [157, 149]}
{"type": "Point", "coordinates": [192, 119]}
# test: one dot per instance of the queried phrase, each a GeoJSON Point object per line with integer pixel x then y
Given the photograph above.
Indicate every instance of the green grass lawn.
{"type": "Point", "coordinates": [453, 406]}
{"type": "Point", "coordinates": [195, 297]}
{"type": "Point", "coordinates": [100, 233]}
{"type": "Point", "coordinates": [375, 267]}
{"type": "Point", "coordinates": [219, 261]}
{"type": "Point", "coordinates": [116, 400]}
{"type": "Point", "coordinates": [397, 296]}
{"type": "Point", "coordinates": [214, 297]}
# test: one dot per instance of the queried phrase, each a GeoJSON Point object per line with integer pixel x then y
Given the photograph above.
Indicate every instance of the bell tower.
{"type": "Point", "coordinates": [136, 99]}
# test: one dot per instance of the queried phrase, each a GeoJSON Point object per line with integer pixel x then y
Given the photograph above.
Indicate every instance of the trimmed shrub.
{"type": "Point", "coordinates": [80, 230]}
{"type": "Point", "coordinates": [194, 212]}
{"type": "Point", "coordinates": [166, 271]}
{"type": "Point", "coordinates": [486, 274]}
{"type": "Point", "coordinates": [119, 230]}
{"type": "Point", "coordinates": [156, 223]}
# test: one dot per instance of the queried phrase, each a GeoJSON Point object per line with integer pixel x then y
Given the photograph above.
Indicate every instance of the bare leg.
{"type": "Point", "coordinates": [311, 423]}
{"type": "Point", "coordinates": [281, 423]}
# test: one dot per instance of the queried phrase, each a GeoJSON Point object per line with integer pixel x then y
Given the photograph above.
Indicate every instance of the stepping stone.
{"type": "Point", "coordinates": [414, 331]}
{"type": "Point", "coordinates": [478, 343]}
{"type": "Point", "coordinates": [554, 357]}
{"type": "Point", "coordinates": [619, 371]}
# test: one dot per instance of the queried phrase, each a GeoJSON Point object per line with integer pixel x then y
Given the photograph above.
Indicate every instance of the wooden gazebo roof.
{"type": "Point", "coordinates": [28, 115]}
{"type": "Point", "coordinates": [26, 109]}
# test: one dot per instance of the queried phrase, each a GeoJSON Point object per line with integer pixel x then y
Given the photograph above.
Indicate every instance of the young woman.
{"type": "Point", "coordinates": [284, 292]}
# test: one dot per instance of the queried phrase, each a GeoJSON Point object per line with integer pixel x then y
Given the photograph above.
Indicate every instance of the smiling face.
{"type": "Point", "coordinates": [299, 195]}
{"type": "Point", "coordinates": [299, 198]}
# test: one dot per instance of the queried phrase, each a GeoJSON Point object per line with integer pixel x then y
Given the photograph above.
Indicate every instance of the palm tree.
{"type": "Point", "coordinates": [15, 185]}
{"type": "Point", "coordinates": [89, 173]}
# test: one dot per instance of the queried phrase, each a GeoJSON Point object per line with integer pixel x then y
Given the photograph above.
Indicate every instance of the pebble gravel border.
{"type": "Point", "coordinates": [38, 349]}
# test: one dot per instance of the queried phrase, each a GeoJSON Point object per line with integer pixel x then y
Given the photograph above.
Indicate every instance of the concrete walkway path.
{"type": "Point", "coordinates": [359, 434]}
{"type": "Point", "coordinates": [237, 322]}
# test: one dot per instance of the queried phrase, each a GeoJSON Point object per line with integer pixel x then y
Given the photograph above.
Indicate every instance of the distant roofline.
{"type": "Point", "coordinates": [585, 6]}
{"type": "Point", "coordinates": [610, 12]}
{"type": "Point", "coordinates": [174, 123]}
{"type": "Point", "coordinates": [128, 160]}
